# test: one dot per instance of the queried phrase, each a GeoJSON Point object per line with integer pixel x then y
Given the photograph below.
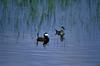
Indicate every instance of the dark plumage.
{"type": "Point", "coordinates": [44, 39]}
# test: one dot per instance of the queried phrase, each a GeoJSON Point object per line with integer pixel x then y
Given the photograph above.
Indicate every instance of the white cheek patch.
{"type": "Point", "coordinates": [46, 34]}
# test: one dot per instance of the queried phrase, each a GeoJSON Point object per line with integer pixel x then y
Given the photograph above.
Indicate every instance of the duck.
{"type": "Point", "coordinates": [44, 39]}
{"type": "Point", "coordinates": [60, 33]}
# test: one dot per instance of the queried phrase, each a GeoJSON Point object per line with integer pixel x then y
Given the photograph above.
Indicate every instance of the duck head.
{"type": "Point", "coordinates": [45, 34]}
{"type": "Point", "coordinates": [63, 27]}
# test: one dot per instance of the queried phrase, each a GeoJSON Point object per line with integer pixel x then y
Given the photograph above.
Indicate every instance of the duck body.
{"type": "Point", "coordinates": [44, 39]}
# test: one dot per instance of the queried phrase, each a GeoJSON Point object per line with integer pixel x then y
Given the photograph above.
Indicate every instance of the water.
{"type": "Point", "coordinates": [23, 52]}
